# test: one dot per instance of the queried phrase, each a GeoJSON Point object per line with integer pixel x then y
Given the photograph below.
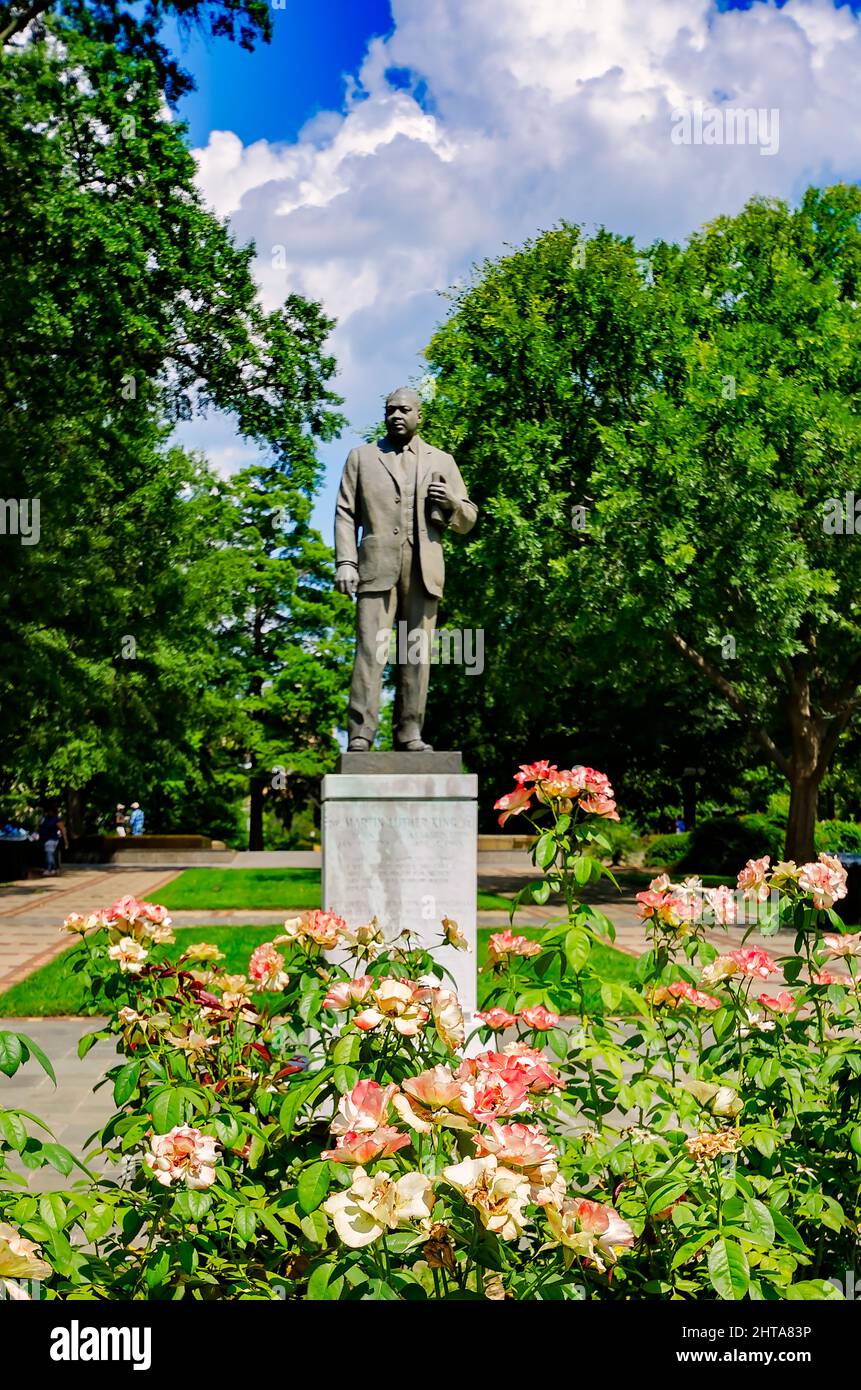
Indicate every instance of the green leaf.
{"type": "Point", "coordinates": [581, 867]}
{"type": "Point", "coordinates": [540, 892]}
{"type": "Point", "coordinates": [690, 1248]}
{"type": "Point", "coordinates": [325, 1284]}
{"type": "Point", "coordinates": [347, 1049]}
{"type": "Point", "coordinates": [52, 1210]}
{"type": "Point", "coordinates": [59, 1158]}
{"type": "Point", "coordinates": [545, 850]}
{"type": "Point", "coordinates": [157, 1268]}
{"type": "Point", "coordinates": [313, 1186]}
{"type": "Point", "coordinates": [345, 1078]}
{"type": "Point", "coordinates": [245, 1224]}
{"type": "Point", "coordinates": [578, 948]}
{"type": "Point", "coordinates": [611, 994]}
{"type": "Point", "coordinates": [125, 1082]}
{"type": "Point", "coordinates": [728, 1270]}
{"type": "Point", "coordinates": [98, 1221]}
{"type": "Point", "coordinates": [760, 1221]}
{"type": "Point", "coordinates": [273, 1226]}
{"type": "Point", "coordinates": [809, 1289]}
{"type": "Point", "coordinates": [664, 1195]}
{"type": "Point", "coordinates": [315, 1227]}
{"type": "Point", "coordinates": [12, 1129]}
{"type": "Point", "coordinates": [172, 1106]}
{"type": "Point", "coordinates": [40, 1056]}
{"type": "Point", "coordinates": [192, 1206]}
{"type": "Point", "coordinates": [11, 1053]}
{"type": "Point", "coordinates": [787, 1232]}
{"type": "Point", "coordinates": [298, 1097]}
{"type": "Point", "coordinates": [86, 1042]}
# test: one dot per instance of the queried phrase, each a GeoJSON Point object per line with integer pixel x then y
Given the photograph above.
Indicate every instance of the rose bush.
{"type": "Point", "coordinates": [330, 1126]}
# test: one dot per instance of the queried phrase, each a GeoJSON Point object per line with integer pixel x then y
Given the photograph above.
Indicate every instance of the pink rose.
{"type": "Point", "coordinates": [753, 962]}
{"type": "Point", "coordinates": [680, 989]}
{"type": "Point", "coordinates": [539, 1018]}
{"type": "Point", "coordinates": [364, 1109]}
{"type": "Point", "coordinates": [497, 1019]}
{"type": "Point", "coordinates": [347, 992]}
{"type": "Point", "coordinates": [849, 944]}
{"type": "Point", "coordinates": [782, 1003]}
{"type": "Point", "coordinates": [266, 968]}
{"type": "Point", "coordinates": [512, 803]}
{"type": "Point", "coordinates": [356, 1147]}
{"type": "Point", "coordinates": [753, 879]}
{"type": "Point", "coordinates": [534, 772]}
{"type": "Point", "coordinates": [505, 943]}
{"type": "Point", "coordinates": [825, 881]}
{"type": "Point", "coordinates": [182, 1155]}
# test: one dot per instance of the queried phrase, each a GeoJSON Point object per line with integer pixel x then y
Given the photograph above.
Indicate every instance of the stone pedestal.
{"type": "Point", "coordinates": [402, 847]}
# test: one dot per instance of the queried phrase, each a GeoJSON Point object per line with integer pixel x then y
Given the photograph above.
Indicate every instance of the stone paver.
{"type": "Point", "coordinates": [71, 1109]}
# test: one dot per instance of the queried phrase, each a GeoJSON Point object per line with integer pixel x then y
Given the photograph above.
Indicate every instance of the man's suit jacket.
{"type": "Point", "coordinates": [370, 499]}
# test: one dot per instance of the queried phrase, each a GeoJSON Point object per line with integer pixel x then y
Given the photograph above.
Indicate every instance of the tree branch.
{"type": "Point", "coordinates": [732, 697]}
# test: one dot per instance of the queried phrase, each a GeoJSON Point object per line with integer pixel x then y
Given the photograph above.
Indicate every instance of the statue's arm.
{"type": "Point", "coordinates": [465, 513]}
{"type": "Point", "coordinates": [346, 514]}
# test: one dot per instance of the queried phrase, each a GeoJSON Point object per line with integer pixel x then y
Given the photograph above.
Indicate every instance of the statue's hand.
{"type": "Point", "coordinates": [442, 494]}
{"type": "Point", "coordinates": [347, 580]}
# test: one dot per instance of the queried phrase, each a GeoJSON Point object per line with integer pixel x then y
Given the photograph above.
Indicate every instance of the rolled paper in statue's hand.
{"type": "Point", "coordinates": [437, 515]}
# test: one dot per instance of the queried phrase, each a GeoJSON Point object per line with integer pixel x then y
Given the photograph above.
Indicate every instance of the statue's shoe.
{"type": "Point", "coordinates": [415, 745]}
{"type": "Point", "coordinates": [359, 745]}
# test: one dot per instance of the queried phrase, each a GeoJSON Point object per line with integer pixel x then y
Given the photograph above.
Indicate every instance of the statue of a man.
{"type": "Point", "coordinates": [401, 494]}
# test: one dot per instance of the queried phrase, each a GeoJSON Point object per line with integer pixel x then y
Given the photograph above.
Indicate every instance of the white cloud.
{"type": "Point", "coordinates": [536, 110]}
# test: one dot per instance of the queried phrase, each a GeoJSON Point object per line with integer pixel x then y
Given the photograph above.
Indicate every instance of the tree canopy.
{"type": "Point", "coordinates": [700, 404]}
{"type": "Point", "coordinates": [125, 306]}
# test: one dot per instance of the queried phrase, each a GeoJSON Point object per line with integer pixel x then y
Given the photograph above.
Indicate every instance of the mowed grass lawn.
{"type": "Point", "coordinates": [262, 890]}
{"type": "Point", "coordinates": [55, 990]}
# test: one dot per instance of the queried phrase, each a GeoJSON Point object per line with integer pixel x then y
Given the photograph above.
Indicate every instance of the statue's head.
{"type": "Point", "coordinates": [403, 414]}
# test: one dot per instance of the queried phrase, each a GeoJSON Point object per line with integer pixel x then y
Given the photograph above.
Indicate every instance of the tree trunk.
{"type": "Point", "coordinates": [801, 825]}
{"type": "Point", "coordinates": [255, 811]}
{"type": "Point", "coordinates": [811, 753]}
{"type": "Point", "coordinates": [74, 812]}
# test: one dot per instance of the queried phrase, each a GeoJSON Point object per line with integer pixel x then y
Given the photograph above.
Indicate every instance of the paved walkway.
{"type": "Point", "coordinates": [72, 1110]}
{"type": "Point", "coordinates": [32, 912]}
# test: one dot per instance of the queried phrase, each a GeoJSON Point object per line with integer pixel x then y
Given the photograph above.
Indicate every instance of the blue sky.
{"type": "Point", "coordinates": [442, 131]}
{"type": "Point", "coordinates": [272, 93]}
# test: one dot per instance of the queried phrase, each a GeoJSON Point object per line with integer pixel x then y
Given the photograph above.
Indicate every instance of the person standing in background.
{"type": "Point", "coordinates": [52, 832]}
{"type": "Point", "coordinates": [120, 820]}
{"type": "Point", "coordinates": [136, 819]}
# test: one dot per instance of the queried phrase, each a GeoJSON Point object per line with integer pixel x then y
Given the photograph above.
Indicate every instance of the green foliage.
{"type": "Point", "coordinates": [122, 632]}
{"type": "Point", "coordinates": [664, 850]}
{"type": "Point", "coordinates": [838, 836]}
{"type": "Point", "coordinates": [721, 844]}
{"type": "Point", "coordinates": [134, 29]}
{"type": "Point", "coordinates": [703, 415]}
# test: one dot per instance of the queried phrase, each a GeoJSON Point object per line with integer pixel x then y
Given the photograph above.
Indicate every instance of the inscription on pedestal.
{"type": "Point", "coordinates": [394, 851]}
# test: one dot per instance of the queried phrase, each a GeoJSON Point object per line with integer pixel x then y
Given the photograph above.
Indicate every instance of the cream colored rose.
{"type": "Point", "coordinates": [498, 1194]}
{"type": "Point", "coordinates": [372, 1205]}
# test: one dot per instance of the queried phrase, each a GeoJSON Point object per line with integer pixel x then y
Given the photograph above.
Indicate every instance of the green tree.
{"type": "Point", "coordinates": [701, 404]}
{"type": "Point", "coordinates": [124, 306]}
{"type": "Point", "coordinates": [286, 643]}
{"type": "Point", "coordinates": [134, 29]}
